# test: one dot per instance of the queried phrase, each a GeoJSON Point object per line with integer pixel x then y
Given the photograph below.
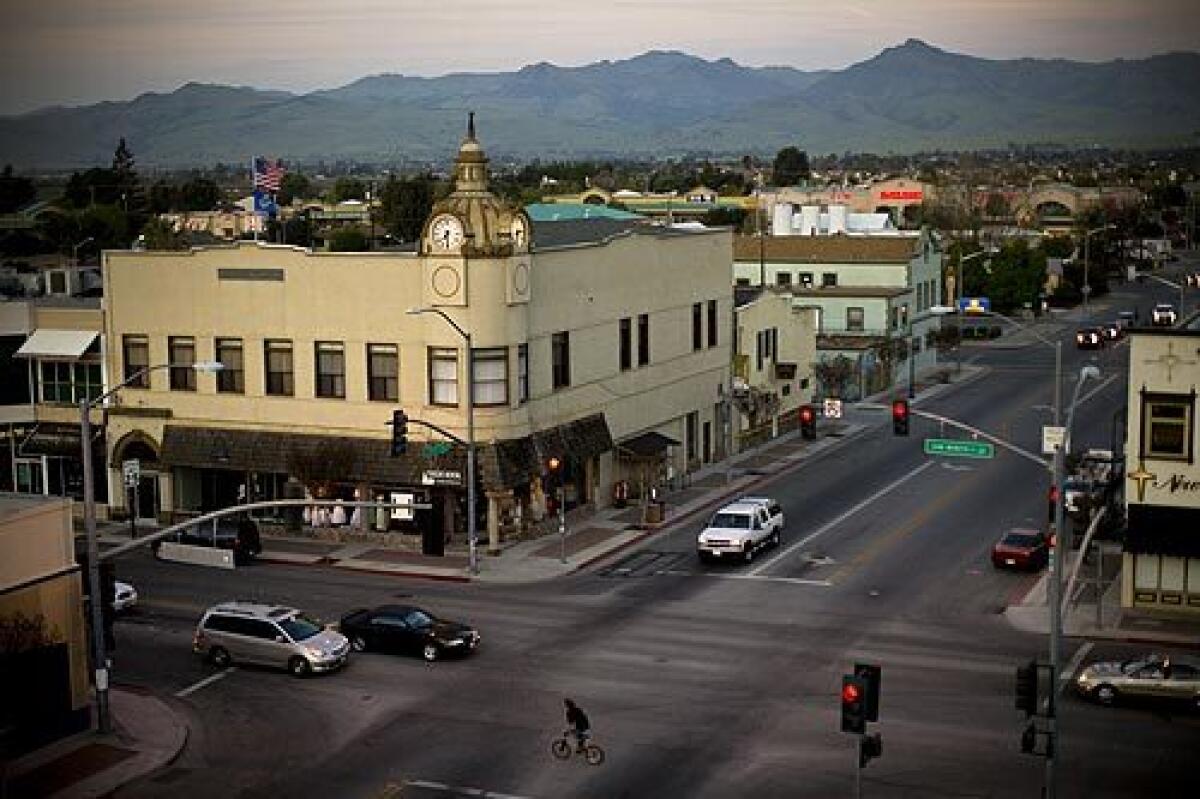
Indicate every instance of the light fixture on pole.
{"type": "Point", "coordinates": [472, 559]}
{"type": "Point", "coordinates": [958, 280]}
{"type": "Point", "coordinates": [100, 655]}
{"type": "Point", "coordinates": [75, 250]}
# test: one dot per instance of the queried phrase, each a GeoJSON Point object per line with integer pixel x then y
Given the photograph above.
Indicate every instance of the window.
{"type": "Point", "coordinates": [806, 279]}
{"type": "Point", "coordinates": [560, 359]}
{"type": "Point", "coordinates": [489, 379]}
{"type": "Point", "coordinates": [1167, 421]}
{"type": "Point", "coordinates": [854, 319]}
{"type": "Point", "coordinates": [759, 346]}
{"type": "Point", "coordinates": [742, 281]}
{"type": "Point", "coordinates": [712, 323]}
{"type": "Point", "coordinates": [443, 376]}
{"type": "Point", "coordinates": [643, 339]}
{"type": "Point", "coordinates": [331, 369]}
{"type": "Point", "coordinates": [693, 425]}
{"type": "Point", "coordinates": [136, 354]}
{"type": "Point", "coordinates": [828, 279]}
{"type": "Point", "coordinates": [182, 355]}
{"type": "Point", "coordinates": [775, 344]}
{"type": "Point", "coordinates": [522, 373]}
{"type": "Point", "coordinates": [625, 346]}
{"type": "Point", "coordinates": [383, 372]}
{"type": "Point", "coordinates": [232, 377]}
{"type": "Point", "coordinates": [68, 383]}
{"type": "Point", "coordinates": [783, 279]}
{"type": "Point", "coordinates": [279, 367]}
{"type": "Point", "coordinates": [697, 326]}
{"type": "Point", "coordinates": [58, 282]}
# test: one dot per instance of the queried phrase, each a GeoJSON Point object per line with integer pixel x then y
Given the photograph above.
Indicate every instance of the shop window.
{"type": "Point", "coordinates": [331, 369]}
{"type": "Point", "coordinates": [182, 355]}
{"type": "Point", "coordinates": [279, 375]}
{"type": "Point", "coordinates": [232, 377]}
{"type": "Point", "coordinates": [135, 352]}
{"type": "Point", "coordinates": [443, 376]}
{"type": "Point", "coordinates": [1167, 426]}
{"type": "Point", "coordinates": [383, 372]}
{"type": "Point", "coordinates": [489, 379]}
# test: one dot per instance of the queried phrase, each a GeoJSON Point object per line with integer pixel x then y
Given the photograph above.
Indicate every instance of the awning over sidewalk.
{"type": "Point", "coordinates": [647, 445]}
{"type": "Point", "coordinates": [61, 344]}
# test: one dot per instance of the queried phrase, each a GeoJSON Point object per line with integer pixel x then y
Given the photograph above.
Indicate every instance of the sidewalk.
{"type": "Point", "coordinates": [147, 735]}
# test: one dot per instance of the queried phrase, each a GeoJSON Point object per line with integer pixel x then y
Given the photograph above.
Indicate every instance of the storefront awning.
{"type": "Point", "coordinates": [647, 445]}
{"type": "Point", "coordinates": [63, 344]}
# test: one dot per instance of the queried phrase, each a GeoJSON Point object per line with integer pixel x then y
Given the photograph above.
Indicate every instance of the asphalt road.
{"type": "Point", "coordinates": [701, 680]}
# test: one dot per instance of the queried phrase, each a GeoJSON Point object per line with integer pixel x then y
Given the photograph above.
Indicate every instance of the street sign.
{"type": "Point", "coordinates": [974, 304]}
{"type": "Point", "coordinates": [436, 449]}
{"type": "Point", "coordinates": [1053, 437]}
{"type": "Point", "coordinates": [833, 409]}
{"type": "Point", "coordinates": [959, 448]}
{"type": "Point", "coordinates": [131, 470]}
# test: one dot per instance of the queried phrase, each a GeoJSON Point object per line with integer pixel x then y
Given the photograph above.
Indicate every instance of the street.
{"type": "Point", "coordinates": [715, 680]}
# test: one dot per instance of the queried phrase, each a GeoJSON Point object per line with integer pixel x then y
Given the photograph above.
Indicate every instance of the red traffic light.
{"type": "Point", "coordinates": [850, 693]}
{"type": "Point", "coordinates": [806, 413]}
{"type": "Point", "coordinates": [1054, 493]}
{"type": "Point", "coordinates": [900, 409]}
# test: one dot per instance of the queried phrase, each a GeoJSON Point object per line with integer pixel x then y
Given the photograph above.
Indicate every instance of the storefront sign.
{"type": "Point", "coordinates": [441, 477]}
{"type": "Point", "coordinates": [900, 195]}
{"type": "Point", "coordinates": [402, 514]}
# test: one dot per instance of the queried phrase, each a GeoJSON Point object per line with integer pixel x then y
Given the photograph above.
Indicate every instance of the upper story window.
{"type": "Point", "coordinates": [232, 377]}
{"type": "Point", "coordinates": [854, 319]}
{"type": "Point", "coordinates": [625, 344]}
{"type": "Point", "coordinates": [712, 323]}
{"type": "Point", "coordinates": [383, 372]}
{"type": "Point", "coordinates": [643, 339]}
{"type": "Point", "coordinates": [806, 280]}
{"type": "Point", "coordinates": [522, 373]}
{"type": "Point", "coordinates": [135, 352]}
{"type": "Point", "coordinates": [1168, 426]}
{"type": "Point", "coordinates": [278, 362]}
{"type": "Point", "coordinates": [828, 279]}
{"type": "Point", "coordinates": [489, 379]}
{"type": "Point", "coordinates": [68, 383]}
{"type": "Point", "coordinates": [560, 359]}
{"type": "Point", "coordinates": [783, 279]}
{"type": "Point", "coordinates": [443, 376]}
{"type": "Point", "coordinates": [182, 355]}
{"type": "Point", "coordinates": [331, 369]}
{"type": "Point", "coordinates": [697, 325]}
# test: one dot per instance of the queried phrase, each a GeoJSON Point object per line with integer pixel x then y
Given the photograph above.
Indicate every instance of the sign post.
{"type": "Point", "coordinates": [131, 472]}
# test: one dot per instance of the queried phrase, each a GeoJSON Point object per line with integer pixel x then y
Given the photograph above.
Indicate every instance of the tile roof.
{"type": "Point", "coordinates": [827, 249]}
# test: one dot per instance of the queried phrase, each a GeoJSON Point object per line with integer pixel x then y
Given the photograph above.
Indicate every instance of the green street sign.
{"type": "Point", "coordinates": [959, 448]}
{"type": "Point", "coordinates": [435, 449]}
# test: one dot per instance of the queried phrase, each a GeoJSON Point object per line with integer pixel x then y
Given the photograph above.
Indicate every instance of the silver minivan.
{"type": "Point", "coordinates": [268, 635]}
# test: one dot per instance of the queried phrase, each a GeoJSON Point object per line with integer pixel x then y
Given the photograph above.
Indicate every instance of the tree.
{"type": "Point", "coordinates": [348, 189]}
{"type": "Point", "coordinates": [294, 186]}
{"type": "Point", "coordinates": [15, 191]}
{"type": "Point", "coordinates": [1016, 277]}
{"type": "Point", "coordinates": [163, 198]}
{"type": "Point", "coordinates": [833, 375]}
{"type": "Point", "coordinates": [96, 186]}
{"type": "Point", "coordinates": [405, 205]}
{"type": "Point", "coordinates": [348, 239]}
{"type": "Point", "coordinates": [791, 166]}
{"type": "Point", "coordinates": [199, 194]}
{"type": "Point", "coordinates": [725, 217]}
{"type": "Point", "coordinates": [158, 234]}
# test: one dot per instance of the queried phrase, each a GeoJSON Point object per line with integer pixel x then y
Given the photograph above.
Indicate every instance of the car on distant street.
{"type": "Point", "coordinates": [268, 635]}
{"type": "Point", "coordinates": [1164, 315]}
{"type": "Point", "coordinates": [1089, 338]}
{"type": "Point", "coordinates": [1113, 331]}
{"type": "Point", "coordinates": [1149, 676]}
{"type": "Point", "coordinates": [1021, 549]}
{"type": "Point", "coordinates": [239, 535]}
{"type": "Point", "coordinates": [125, 597]}
{"type": "Point", "coordinates": [1127, 319]}
{"type": "Point", "coordinates": [407, 630]}
{"type": "Point", "coordinates": [741, 529]}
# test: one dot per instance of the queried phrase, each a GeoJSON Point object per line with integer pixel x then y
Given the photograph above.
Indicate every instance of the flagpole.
{"type": "Point", "coordinates": [254, 191]}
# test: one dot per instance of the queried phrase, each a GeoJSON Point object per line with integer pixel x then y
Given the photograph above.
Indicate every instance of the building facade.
{"type": "Point", "coordinates": [1161, 562]}
{"type": "Point", "coordinates": [582, 347]}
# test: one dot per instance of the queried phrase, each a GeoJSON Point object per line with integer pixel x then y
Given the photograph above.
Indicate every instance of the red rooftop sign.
{"type": "Point", "coordinates": [900, 195]}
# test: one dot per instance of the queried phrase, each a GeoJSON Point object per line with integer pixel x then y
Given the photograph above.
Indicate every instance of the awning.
{"type": "Point", "coordinates": [65, 344]}
{"type": "Point", "coordinates": [647, 445]}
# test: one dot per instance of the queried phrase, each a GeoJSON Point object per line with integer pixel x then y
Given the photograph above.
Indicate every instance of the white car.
{"type": "Point", "coordinates": [741, 529]}
{"type": "Point", "coordinates": [1164, 314]}
{"type": "Point", "coordinates": [124, 596]}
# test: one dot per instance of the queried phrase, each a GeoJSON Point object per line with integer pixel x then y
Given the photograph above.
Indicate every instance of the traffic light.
{"type": "Point", "coordinates": [854, 704]}
{"type": "Point", "coordinates": [1029, 739]}
{"type": "Point", "coordinates": [399, 433]}
{"type": "Point", "coordinates": [871, 674]}
{"type": "Point", "coordinates": [808, 422]}
{"type": "Point", "coordinates": [869, 747]}
{"type": "Point", "coordinates": [900, 417]}
{"type": "Point", "coordinates": [1053, 503]}
{"type": "Point", "coordinates": [1027, 688]}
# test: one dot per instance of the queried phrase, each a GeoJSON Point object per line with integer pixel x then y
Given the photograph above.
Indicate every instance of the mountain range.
{"type": "Point", "coordinates": [660, 104]}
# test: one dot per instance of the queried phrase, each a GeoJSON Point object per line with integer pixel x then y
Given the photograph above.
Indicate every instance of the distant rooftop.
{"type": "Point", "coordinates": [568, 212]}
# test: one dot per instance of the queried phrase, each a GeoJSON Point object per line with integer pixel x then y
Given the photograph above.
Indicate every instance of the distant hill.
{"type": "Point", "coordinates": [910, 97]}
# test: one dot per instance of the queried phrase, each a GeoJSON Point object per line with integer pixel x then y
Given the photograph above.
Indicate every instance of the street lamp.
{"type": "Point", "coordinates": [1055, 576]}
{"type": "Point", "coordinates": [100, 663]}
{"type": "Point", "coordinates": [472, 560]}
{"type": "Point", "coordinates": [75, 249]}
{"type": "Point", "coordinates": [1087, 286]}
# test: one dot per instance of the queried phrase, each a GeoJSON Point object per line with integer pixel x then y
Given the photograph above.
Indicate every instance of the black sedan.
{"type": "Point", "coordinates": [405, 629]}
{"type": "Point", "coordinates": [1089, 338]}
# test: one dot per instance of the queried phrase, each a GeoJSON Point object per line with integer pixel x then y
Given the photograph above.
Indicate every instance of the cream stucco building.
{"type": "Point", "coordinates": [583, 339]}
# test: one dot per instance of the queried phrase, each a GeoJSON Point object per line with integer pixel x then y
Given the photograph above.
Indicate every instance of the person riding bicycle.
{"type": "Point", "coordinates": [578, 721]}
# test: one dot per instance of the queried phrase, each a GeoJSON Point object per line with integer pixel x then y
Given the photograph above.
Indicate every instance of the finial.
{"type": "Point", "coordinates": [470, 124]}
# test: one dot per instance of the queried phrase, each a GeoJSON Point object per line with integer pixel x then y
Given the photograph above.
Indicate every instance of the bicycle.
{"type": "Point", "coordinates": [563, 747]}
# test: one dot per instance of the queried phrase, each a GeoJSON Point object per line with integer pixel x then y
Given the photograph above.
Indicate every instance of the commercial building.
{"type": "Point", "coordinates": [1161, 563]}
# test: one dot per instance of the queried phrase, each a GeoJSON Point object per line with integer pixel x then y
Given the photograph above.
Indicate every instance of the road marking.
{"type": "Point", "coordinates": [765, 578]}
{"type": "Point", "coordinates": [209, 680]}
{"type": "Point", "coordinates": [841, 518]}
{"type": "Point", "coordinates": [1103, 385]}
{"type": "Point", "coordinates": [441, 786]}
{"type": "Point", "coordinates": [1076, 659]}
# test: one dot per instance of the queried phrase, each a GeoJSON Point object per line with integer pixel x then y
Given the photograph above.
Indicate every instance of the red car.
{"type": "Point", "coordinates": [1021, 549]}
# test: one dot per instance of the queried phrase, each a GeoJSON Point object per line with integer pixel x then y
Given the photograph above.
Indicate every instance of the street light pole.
{"type": "Point", "coordinates": [99, 651]}
{"type": "Point", "coordinates": [1086, 290]}
{"type": "Point", "coordinates": [472, 558]}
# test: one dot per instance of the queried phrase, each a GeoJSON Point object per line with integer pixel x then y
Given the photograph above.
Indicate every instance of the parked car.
{"type": "Point", "coordinates": [268, 635]}
{"type": "Point", "coordinates": [240, 535]}
{"type": "Point", "coordinates": [125, 597]}
{"type": "Point", "coordinates": [1127, 319]}
{"type": "Point", "coordinates": [1113, 331]}
{"type": "Point", "coordinates": [739, 530]}
{"type": "Point", "coordinates": [1089, 338]}
{"type": "Point", "coordinates": [405, 629]}
{"type": "Point", "coordinates": [1021, 549]}
{"type": "Point", "coordinates": [1164, 315]}
{"type": "Point", "coordinates": [1148, 676]}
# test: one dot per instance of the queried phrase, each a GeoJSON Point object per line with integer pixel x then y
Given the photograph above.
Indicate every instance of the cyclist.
{"type": "Point", "coordinates": [578, 722]}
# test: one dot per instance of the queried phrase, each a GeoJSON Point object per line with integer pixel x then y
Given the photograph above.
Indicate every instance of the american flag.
{"type": "Point", "coordinates": [268, 174]}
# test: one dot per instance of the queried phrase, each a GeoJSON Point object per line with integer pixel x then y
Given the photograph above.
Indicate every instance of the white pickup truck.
{"type": "Point", "coordinates": [741, 529]}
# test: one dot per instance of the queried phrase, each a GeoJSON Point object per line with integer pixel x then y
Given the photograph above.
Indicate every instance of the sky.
{"type": "Point", "coordinates": [73, 52]}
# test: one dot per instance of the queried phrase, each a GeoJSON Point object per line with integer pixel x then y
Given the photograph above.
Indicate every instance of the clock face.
{"type": "Point", "coordinates": [446, 232]}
